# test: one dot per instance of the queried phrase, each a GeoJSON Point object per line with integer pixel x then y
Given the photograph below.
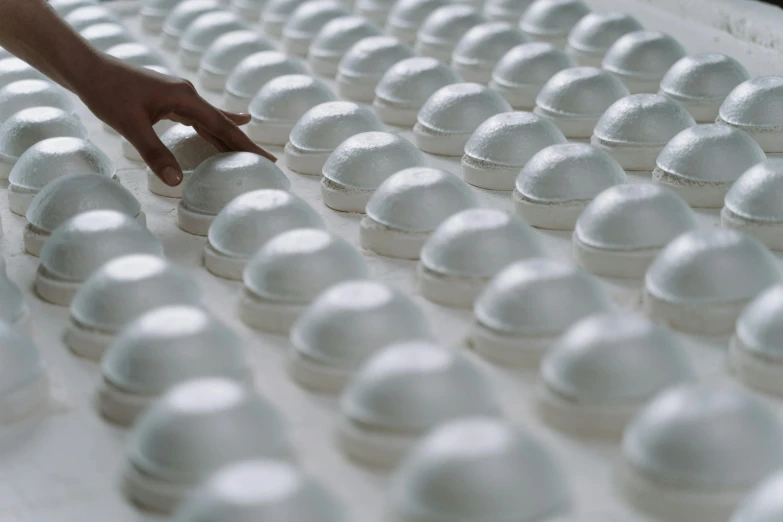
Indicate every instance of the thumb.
{"type": "Point", "coordinates": [158, 158]}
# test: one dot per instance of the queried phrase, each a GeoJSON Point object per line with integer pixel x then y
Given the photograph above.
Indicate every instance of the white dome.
{"type": "Point", "coordinates": [641, 59]}
{"type": "Point", "coordinates": [63, 7]}
{"type": "Point", "coordinates": [595, 33]}
{"type": "Point", "coordinates": [759, 328]}
{"type": "Point", "coordinates": [345, 325]}
{"type": "Point", "coordinates": [249, 9]}
{"type": "Point", "coordinates": [755, 197]}
{"type": "Point", "coordinates": [552, 20]}
{"type": "Point", "coordinates": [477, 52]}
{"type": "Point", "coordinates": [135, 53]}
{"type": "Point", "coordinates": [642, 119]}
{"type": "Point", "coordinates": [442, 29]}
{"type": "Point", "coordinates": [29, 126]}
{"type": "Point", "coordinates": [764, 504]}
{"type": "Point", "coordinates": [407, 85]}
{"type": "Point", "coordinates": [297, 265]}
{"type": "Point", "coordinates": [445, 475]}
{"type": "Point", "coordinates": [13, 309]}
{"type": "Point", "coordinates": [181, 17]}
{"type": "Point", "coordinates": [188, 147]}
{"type": "Point", "coordinates": [376, 11]}
{"type": "Point", "coordinates": [499, 10]}
{"type": "Point", "coordinates": [521, 73]}
{"type": "Point", "coordinates": [276, 13]}
{"type": "Point", "coordinates": [13, 69]}
{"type": "Point", "coordinates": [502, 145]}
{"type": "Point", "coordinates": [204, 30]}
{"type": "Point", "coordinates": [334, 39]}
{"type": "Point", "coordinates": [88, 15]}
{"type": "Point", "coordinates": [307, 20]}
{"type": "Point", "coordinates": [250, 220]}
{"type": "Point", "coordinates": [23, 381]}
{"type": "Point", "coordinates": [154, 12]}
{"type": "Point", "coordinates": [753, 106]}
{"type": "Point", "coordinates": [182, 438]}
{"type": "Point", "coordinates": [225, 53]}
{"type": "Point", "coordinates": [539, 297]}
{"type": "Point", "coordinates": [406, 16]}
{"type": "Point", "coordinates": [702, 81]}
{"type": "Point", "coordinates": [362, 67]}
{"type": "Point", "coordinates": [255, 70]}
{"type": "Point", "coordinates": [26, 94]}
{"type": "Point", "coordinates": [268, 490]}
{"type": "Point", "coordinates": [105, 36]}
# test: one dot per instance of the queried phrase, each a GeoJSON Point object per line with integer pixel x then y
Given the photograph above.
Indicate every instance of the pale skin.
{"type": "Point", "coordinates": [33, 31]}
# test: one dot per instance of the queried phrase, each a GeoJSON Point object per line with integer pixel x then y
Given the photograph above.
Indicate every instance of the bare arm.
{"type": "Point", "coordinates": [32, 30]}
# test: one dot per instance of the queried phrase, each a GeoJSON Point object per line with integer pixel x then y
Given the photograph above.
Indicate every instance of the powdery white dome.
{"type": "Point", "coordinates": [404, 391]}
{"type": "Point", "coordinates": [290, 270]}
{"type": "Point", "coordinates": [181, 439]}
{"type": "Point", "coordinates": [269, 490]}
{"type": "Point", "coordinates": [63, 7]}
{"type": "Point", "coordinates": [700, 82]}
{"type": "Point", "coordinates": [118, 292]}
{"type": "Point", "coordinates": [641, 58]}
{"type": "Point", "coordinates": [376, 11]}
{"type": "Point", "coordinates": [334, 39]}
{"type": "Point", "coordinates": [204, 30]}
{"type": "Point", "coordinates": [752, 203]}
{"type": "Point", "coordinates": [82, 244]}
{"type": "Point", "coordinates": [701, 163]}
{"type": "Point", "coordinates": [220, 179]}
{"type": "Point", "coordinates": [468, 249]}
{"type": "Point", "coordinates": [154, 12]}
{"type": "Point", "coordinates": [552, 20]}
{"type": "Point", "coordinates": [556, 184]}
{"type": "Point", "coordinates": [275, 15]}
{"type": "Point", "coordinates": [636, 128]}
{"type": "Point", "coordinates": [306, 21]}
{"type": "Point", "coordinates": [88, 15]}
{"type": "Point", "coordinates": [51, 159]}
{"type": "Point", "coordinates": [13, 69]}
{"type": "Point", "coordinates": [765, 502]}
{"type": "Point", "coordinates": [249, 221]}
{"type": "Point", "coordinates": [407, 85]}
{"type": "Point", "coordinates": [501, 10]}
{"type": "Point", "coordinates": [346, 325]}
{"type": "Point", "coordinates": [448, 117]}
{"type": "Point", "coordinates": [754, 106]}
{"type": "Point", "coordinates": [696, 450]}
{"type": "Point", "coordinates": [477, 52]}
{"type": "Point", "coordinates": [189, 149]}
{"type": "Point", "coordinates": [521, 73]}
{"type": "Point", "coordinates": [408, 206]}
{"type": "Point", "coordinates": [67, 196]}
{"type": "Point", "coordinates": [613, 236]}
{"type": "Point", "coordinates": [359, 165]}
{"type": "Point", "coordinates": [280, 103]}
{"type": "Point", "coordinates": [161, 348]}
{"type": "Point", "coordinates": [24, 387]}
{"type": "Point", "coordinates": [442, 29]}
{"type": "Point", "coordinates": [225, 53]}
{"type": "Point", "coordinates": [604, 369]}
{"type": "Point", "coordinates": [528, 305]}
{"type": "Point", "coordinates": [252, 73]}
{"type": "Point", "coordinates": [406, 17]}
{"type": "Point", "coordinates": [13, 309]}
{"type": "Point", "coordinates": [26, 94]}
{"type": "Point", "coordinates": [180, 18]}
{"type": "Point", "coordinates": [105, 36]}
{"type": "Point", "coordinates": [574, 99]}
{"type": "Point", "coordinates": [594, 34]}
{"type": "Point", "coordinates": [250, 10]}
{"type": "Point", "coordinates": [135, 53]}
{"type": "Point", "coordinates": [363, 66]}
{"type": "Point", "coordinates": [321, 129]}
{"type": "Point", "coordinates": [445, 475]}
{"type": "Point", "coordinates": [702, 280]}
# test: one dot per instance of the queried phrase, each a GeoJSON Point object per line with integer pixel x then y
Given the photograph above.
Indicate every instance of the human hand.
{"type": "Point", "coordinates": [132, 99]}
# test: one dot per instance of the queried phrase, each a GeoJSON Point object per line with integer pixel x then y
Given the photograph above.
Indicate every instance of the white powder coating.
{"type": "Point", "coordinates": [307, 20]}
{"type": "Point", "coordinates": [594, 34]}
{"type": "Point", "coordinates": [269, 490]}
{"type": "Point", "coordinates": [406, 16]}
{"type": "Point", "coordinates": [751, 204]}
{"type": "Point", "coordinates": [178, 20]}
{"type": "Point", "coordinates": [25, 94]}
{"type": "Point", "coordinates": [334, 39]}
{"type": "Point", "coordinates": [135, 53]}
{"type": "Point", "coordinates": [88, 15]}
{"type": "Point", "coordinates": [23, 382]}
{"type": "Point", "coordinates": [754, 106]}
{"type": "Point", "coordinates": [442, 29]}
{"type": "Point", "coordinates": [104, 36]}
{"type": "Point", "coordinates": [477, 52]}
{"type": "Point", "coordinates": [642, 58]}
{"type": "Point", "coordinates": [443, 476]}
{"type": "Point", "coordinates": [225, 53]}
{"type": "Point", "coordinates": [552, 20]}
{"type": "Point", "coordinates": [275, 15]}
{"type": "Point", "coordinates": [13, 69]}
{"type": "Point", "coordinates": [255, 71]}
{"type": "Point", "coordinates": [201, 32]}
{"type": "Point", "coordinates": [362, 67]}
{"type": "Point", "coordinates": [503, 10]}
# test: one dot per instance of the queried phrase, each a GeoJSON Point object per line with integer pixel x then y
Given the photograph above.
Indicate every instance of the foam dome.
{"type": "Point", "coordinates": [346, 325]}
{"type": "Point", "coordinates": [558, 183]}
{"type": "Point", "coordinates": [82, 244]}
{"type": "Point", "coordinates": [406, 16]}
{"type": "Point", "coordinates": [501, 10]}
{"type": "Point", "coordinates": [552, 20]}
{"type": "Point", "coordinates": [359, 165]}
{"type": "Point", "coordinates": [13, 69]}
{"type": "Point", "coordinates": [521, 73]}
{"type": "Point", "coordinates": [153, 12]}
{"type": "Point", "coordinates": [105, 36]}
{"type": "Point", "coordinates": [700, 82]}
{"type": "Point", "coordinates": [334, 39]}
{"type": "Point", "coordinates": [695, 450]}
{"type": "Point", "coordinates": [362, 67]}
{"type": "Point", "coordinates": [448, 117]}
{"type": "Point", "coordinates": [635, 129]}
{"type": "Point", "coordinates": [181, 439]}
{"type": "Point", "coordinates": [64, 7]}
{"type": "Point", "coordinates": [751, 204]}
{"type": "Point", "coordinates": [641, 58]}
{"type": "Point", "coordinates": [477, 52]}
{"type": "Point", "coordinates": [280, 103]}
{"type": "Point", "coordinates": [161, 348]}
{"type": "Point", "coordinates": [444, 475]}
{"type": "Point", "coordinates": [701, 163]}
{"type": "Point", "coordinates": [135, 53]}
{"type": "Point", "coordinates": [201, 32]}
{"type": "Point", "coordinates": [754, 106]}
{"type": "Point", "coordinates": [24, 387]}
{"type": "Point", "coordinates": [247, 222]}
{"type": "Point", "coordinates": [321, 129]}
{"type": "Point", "coordinates": [442, 29]}
{"type": "Point", "coordinates": [404, 391]}
{"type": "Point", "coordinates": [27, 94]}
{"type": "Point", "coordinates": [702, 280]}
{"type": "Point", "coordinates": [88, 15]}
{"type": "Point", "coordinates": [275, 15]}
{"type": "Point", "coordinates": [13, 309]}
{"type": "Point", "coordinates": [253, 73]}
{"type": "Point", "coordinates": [189, 149]}
{"type": "Point", "coordinates": [225, 53]}
{"type": "Point", "coordinates": [180, 18]}
{"type": "Point", "coordinates": [290, 270]}
{"type": "Point", "coordinates": [51, 159]}
{"type": "Point", "coordinates": [594, 34]}
{"type": "Point", "coordinates": [306, 21]}
{"type": "Point", "coordinates": [250, 10]}
{"type": "Point", "coordinates": [406, 86]}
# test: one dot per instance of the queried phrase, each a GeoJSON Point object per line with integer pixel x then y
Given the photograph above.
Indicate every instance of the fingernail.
{"type": "Point", "coordinates": [172, 176]}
